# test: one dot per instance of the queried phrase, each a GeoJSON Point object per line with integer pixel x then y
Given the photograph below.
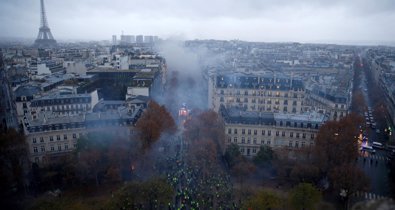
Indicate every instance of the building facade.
{"type": "Point", "coordinates": [50, 137]}
{"type": "Point", "coordinates": [250, 130]}
{"type": "Point", "coordinates": [266, 93]}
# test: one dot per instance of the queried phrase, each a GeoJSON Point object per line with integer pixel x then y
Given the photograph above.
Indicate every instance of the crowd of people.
{"type": "Point", "coordinates": [193, 188]}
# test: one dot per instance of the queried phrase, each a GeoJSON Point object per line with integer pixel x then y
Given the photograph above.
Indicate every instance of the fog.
{"type": "Point", "coordinates": [185, 76]}
{"type": "Point", "coordinates": [335, 21]}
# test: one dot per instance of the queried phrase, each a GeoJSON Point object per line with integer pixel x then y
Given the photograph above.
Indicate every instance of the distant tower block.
{"type": "Point", "coordinates": [114, 40]}
{"type": "Point", "coordinates": [44, 38]}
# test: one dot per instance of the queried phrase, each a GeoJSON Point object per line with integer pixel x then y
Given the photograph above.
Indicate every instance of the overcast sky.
{"type": "Point", "coordinates": [252, 20]}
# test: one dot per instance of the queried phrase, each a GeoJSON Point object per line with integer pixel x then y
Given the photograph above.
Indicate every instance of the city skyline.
{"type": "Point", "coordinates": [351, 22]}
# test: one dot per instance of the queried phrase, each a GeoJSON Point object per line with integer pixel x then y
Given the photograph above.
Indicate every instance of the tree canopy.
{"type": "Point", "coordinates": [265, 155]}
{"type": "Point", "coordinates": [336, 142]}
{"type": "Point", "coordinates": [155, 120]}
{"type": "Point", "coordinates": [13, 160]}
{"type": "Point", "coordinates": [304, 196]}
{"type": "Point", "coordinates": [232, 154]}
{"type": "Point", "coordinates": [155, 193]}
{"type": "Point", "coordinates": [263, 200]}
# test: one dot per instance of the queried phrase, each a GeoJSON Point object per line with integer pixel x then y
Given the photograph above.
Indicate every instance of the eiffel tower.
{"type": "Point", "coordinates": [44, 38]}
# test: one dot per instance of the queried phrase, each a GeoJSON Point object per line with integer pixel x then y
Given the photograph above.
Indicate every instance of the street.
{"type": "Point", "coordinates": [374, 164]}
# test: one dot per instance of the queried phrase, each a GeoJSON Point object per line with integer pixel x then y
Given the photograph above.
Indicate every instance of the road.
{"type": "Point", "coordinates": [7, 102]}
{"type": "Point", "coordinates": [374, 165]}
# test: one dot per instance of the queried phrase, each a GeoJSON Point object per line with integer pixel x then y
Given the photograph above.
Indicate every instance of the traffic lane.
{"type": "Point", "coordinates": [375, 168]}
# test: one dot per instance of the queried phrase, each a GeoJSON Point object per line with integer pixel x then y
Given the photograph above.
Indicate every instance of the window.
{"type": "Point", "coordinates": [255, 132]}
{"type": "Point", "coordinates": [41, 139]}
{"type": "Point", "coordinates": [249, 131]}
{"type": "Point", "coordinates": [291, 134]}
{"type": "Point", "coordinates": [290, 144]}
{"type": "Point", "coordinates": [304, 135]}
{"type": "Point", "coordinates": [243, 131]}
{"type": "Point", "coordinates": [262, 141]}
{"type": "Point", "coordinates": [235, 140]}
{"type": "Point", "coordinates": [269, 132]}
{"type": "Point", "coordinates": [65, 136]}
{"type": "Point", "coordinates": [277, 133]}
{"type": "Point", "coordinates": [35, 150]}
{"type": "Point", "coordinates": [58, 137]}
{"type": "Point", "coordinates": [34, 140]}
{"type": "Point", "coordinates": [254, 140]}
{"type": "Point", "coordinates": [297, 135]}
{"type": "Point", "coordinates": [283, 133]}
{"type": "Point", "coordinates": [268, 142]}
{"type": "Point", "coordinates": [303, 143]}
{"type": "Point", "coordinates": [263, 132]}
{"type": "Point", "coordinates": [229, 139]}
{"type": "Point", "coordinates": [52, 148]}
{"type": "Point", "coordinates": [229, 131]}
{"type": "Point", "coordinates": [235, 131]}
{"type": "Point", "coordinates": [243, 140]}
{"type": "Point", "coordinates": [312, 136]}
{"type": "Point", "coordinates": [66, 146]}
{"type": "Point", "coordinates": [253, 150]}
{"type": "Point", "coordinates": [75, 145]}
{"type": "Point", "coordinates": [59, 148]}
{"type": "Point", "coordinates": [249, 140]}
{"type": "Point", "coordinates": [42, 149]}
{"type": "Point", "coordinates": [51, 138]}
{"type": "Point", "coordinates": [221, 99]}
{"type": "Point", "coordinates": [245, 100]}
{"type": "Point", "coordinates": [296, 144]}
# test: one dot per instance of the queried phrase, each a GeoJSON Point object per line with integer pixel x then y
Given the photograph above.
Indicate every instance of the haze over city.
{"type": "Point", "coordinates": [324, 21]}
{"type": "Point", "coordinates": [189, 105]}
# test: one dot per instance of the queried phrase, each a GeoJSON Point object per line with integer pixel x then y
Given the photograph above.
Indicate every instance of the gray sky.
{"type": "Point", "coordinates": [251, 20]}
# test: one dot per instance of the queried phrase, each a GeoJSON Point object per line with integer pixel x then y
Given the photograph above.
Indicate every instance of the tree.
{"type": "Point", "coordinates": [206, 125]}
{"type": "Point", "coordinates": [336, 143]}
{"type": "Point", "coordinates": [305, 172]}
{"type": "Point", "coordinates": [155, 193]}
{"type": "Point", "coordinates": [265, 155]}
{"type": "Point", "coordinates": [242, 169]}
{"type": "Point", "coordinates": [304, 196]}
{"type": "Point", "coordinates": [263, 200]}
{"type": "Point", "coordinates": [232, 153]}
{"type": "Point", "coordinates": [155, 120]}
{"type": "Point", "coordinates": [203, 154]}
{"type": "Point", "coordinates": [101, 155]}
{"type": "Point", "coordinates": [350, 178]}
{"type": "Point", "coordinates": [13, 161]}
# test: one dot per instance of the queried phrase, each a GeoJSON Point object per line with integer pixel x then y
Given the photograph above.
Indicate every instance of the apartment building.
{"type": "Point", "coordinates": [250, 92]}
{"type": "Point", "coordinates": [51, 136]}
{"type": "Point", "coordinates": [250, 129]}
